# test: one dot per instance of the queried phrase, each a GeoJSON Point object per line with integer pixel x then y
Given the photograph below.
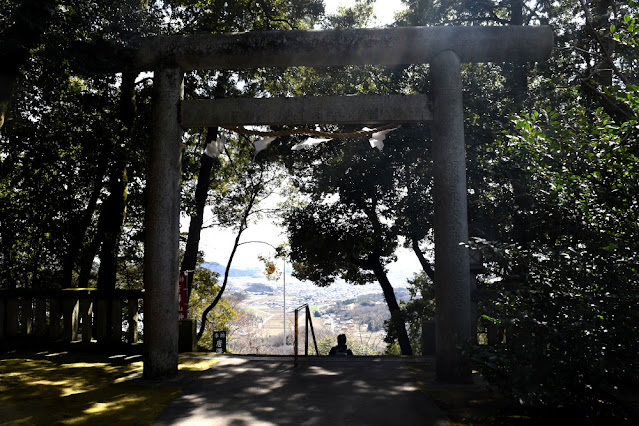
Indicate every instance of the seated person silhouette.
{"type": "Point", "coordinates": [341, 349]}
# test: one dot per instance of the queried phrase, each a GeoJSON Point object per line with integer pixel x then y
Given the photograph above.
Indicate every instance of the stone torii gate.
{"type": "Point", "coordinates": [445, 48]}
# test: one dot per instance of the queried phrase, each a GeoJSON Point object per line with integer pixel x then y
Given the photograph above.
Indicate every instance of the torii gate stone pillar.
{"type": "Point", "coordinates": [162, 228]}
{"type": "Point", "coordinates": [445, 48]}
{"type": "Point", "coordinates": [452, 286]}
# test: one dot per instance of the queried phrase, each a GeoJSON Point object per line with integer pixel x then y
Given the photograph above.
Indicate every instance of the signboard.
{"type": "Point", "coordinates": [219, 342]}
{"type": "Point", "coordinates": [182, 297]}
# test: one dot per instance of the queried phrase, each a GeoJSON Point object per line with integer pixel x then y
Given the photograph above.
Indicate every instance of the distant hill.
{"type": "Point", "coordinates": [402, 294]}
{"type": "Point", "coordinates": [234, 272]}
{"type": "Point", "coordinates": [259, 288]}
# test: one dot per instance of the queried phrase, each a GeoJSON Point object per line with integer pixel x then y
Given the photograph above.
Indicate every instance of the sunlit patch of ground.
{"type": "Point", "coordinates": [61, 388]}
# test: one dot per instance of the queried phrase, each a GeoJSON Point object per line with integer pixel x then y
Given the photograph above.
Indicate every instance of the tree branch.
{"type": "Point", "coordinates": [604, 48]}
{"type": "Point", "coordinates": [426, 266]}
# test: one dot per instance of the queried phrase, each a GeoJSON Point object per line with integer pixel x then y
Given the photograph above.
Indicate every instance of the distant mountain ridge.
{"type": "Point", "coordinates": [258, 273]}
{"type": "Point", "coordinates": [234, 272]}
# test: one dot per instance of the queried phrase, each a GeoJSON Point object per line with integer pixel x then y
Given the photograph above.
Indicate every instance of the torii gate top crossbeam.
{"type": "Point", "coordinates": [382, 46]}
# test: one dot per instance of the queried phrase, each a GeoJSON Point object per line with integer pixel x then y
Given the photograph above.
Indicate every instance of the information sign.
{"type": "Point", "coordinates": [219, 342]}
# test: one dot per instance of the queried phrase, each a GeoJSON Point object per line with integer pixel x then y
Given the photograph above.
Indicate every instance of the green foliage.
{"type": "Point", "coordinates": [571, 322]}
{"type": "Point", "coordinates": [331, 246]}
{"type": "Point", "coordinates": [420, 307]}
{"type": "Point", "coordinates": [73, 149]}
{"type": "Point", "coordinates": [393, 349]}
{"type": "Point", "coordinates": [627, 27]}
{"type": "Point", "coordinates": [204, 289]}
{"type": "Point", "coordinates": [243, 15]}
{"type": "Point", "coordinates": [357, 16]}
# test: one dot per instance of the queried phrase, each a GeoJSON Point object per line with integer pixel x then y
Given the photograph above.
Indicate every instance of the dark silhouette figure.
{"type": "Point", "coordinates": [341, 349]}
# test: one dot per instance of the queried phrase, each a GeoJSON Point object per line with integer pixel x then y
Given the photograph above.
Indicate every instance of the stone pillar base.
{"type": "Point", "coordinates": [187, 341]}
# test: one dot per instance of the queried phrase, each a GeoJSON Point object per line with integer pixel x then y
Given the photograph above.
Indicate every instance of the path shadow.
{"type": "Point", "coordinates": [241, 391]}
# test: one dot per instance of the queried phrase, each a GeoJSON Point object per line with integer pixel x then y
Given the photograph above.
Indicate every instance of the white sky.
{"type": "Point", "coordinates": [384, 9]}
{"type": "Point", "coordinates": [217, 243]}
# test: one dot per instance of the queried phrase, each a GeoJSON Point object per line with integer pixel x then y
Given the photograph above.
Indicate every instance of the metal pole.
{"type": "Point", "coordinates": [295, 341]}
{"type": "Point", "coordinates": [306, 314]}
{"type": "Point", "coordinates": [310, 321]}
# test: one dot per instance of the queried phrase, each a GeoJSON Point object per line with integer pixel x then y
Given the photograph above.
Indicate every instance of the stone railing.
{"type": "Point", "coordinates": [71, 314]}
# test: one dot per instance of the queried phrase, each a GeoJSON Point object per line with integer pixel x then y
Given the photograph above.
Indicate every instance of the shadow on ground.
{"type": "Point", "coordinates": [65, 386]}
{"type": "Point", "coordinates": [254, 391]}
{"type": "Point", "coordinates": [51, 387]}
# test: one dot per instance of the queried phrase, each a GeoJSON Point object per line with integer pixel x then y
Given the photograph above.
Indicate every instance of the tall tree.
{"type": "Point", "coordinates": [68, 113]}
{"type": "Point", "coordinates": [22, 32]}
{"type": "Point", "coordinates": [361, 201]}
{"type": "Point", "coordinates": [238, 200]}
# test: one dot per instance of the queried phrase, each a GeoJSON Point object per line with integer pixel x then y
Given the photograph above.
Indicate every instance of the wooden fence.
{"type": "Point", "coordinates": [71, 314]}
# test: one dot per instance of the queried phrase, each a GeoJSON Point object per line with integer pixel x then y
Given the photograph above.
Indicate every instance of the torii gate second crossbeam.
{"type": "Point", "coordinates": [445, 48]}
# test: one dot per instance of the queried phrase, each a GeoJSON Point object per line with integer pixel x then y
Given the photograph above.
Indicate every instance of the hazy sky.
{"type": "Point", "coordinates": [384, 9]}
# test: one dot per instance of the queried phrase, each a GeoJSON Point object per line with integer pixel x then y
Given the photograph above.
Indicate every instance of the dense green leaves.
{"type": "Point", "coordinates": [570, 321]}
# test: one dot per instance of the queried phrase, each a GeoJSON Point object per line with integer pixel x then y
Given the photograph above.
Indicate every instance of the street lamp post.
{"type": "Point", "coordinates": [283, 282]}
{"type": "Point", "coordinates": [284, 299]}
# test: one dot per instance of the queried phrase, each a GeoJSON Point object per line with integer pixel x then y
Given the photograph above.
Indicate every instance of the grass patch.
{"type": "Point", "coordinates": [71, 388]}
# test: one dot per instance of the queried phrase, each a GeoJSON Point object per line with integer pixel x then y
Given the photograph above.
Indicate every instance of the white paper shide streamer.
{"type": "Point", "coordinates": [309, 143]}
{"type": "Point", "coordinates": [216, 147]}
{"type": "Point", "coordinates": [377, 139]}
{"type": "Point", "coordinates": [261, 144]}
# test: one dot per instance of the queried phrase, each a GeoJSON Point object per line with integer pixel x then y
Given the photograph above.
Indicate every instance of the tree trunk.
{"type": "Point", "coordinates": [86, 260]}
{"type": "Point", "coordinates": [189, 260]}
{"type": "Point", "coordinates": [243, 226]}
{"type": "Point", "coordinates": [397, 319]}
{"type": "Point", "coordinates": [114, 209]}
{"type": "Point", "coordinates": [77, 230]}
{"type": "Point", "coordinates": [520, 71]}
{"type": "Point", "coordinates": [426, 266]}
{"type": "Point", "coordinates": [112, 215]}
{"type": "Point", "coordinates": [519, 88]}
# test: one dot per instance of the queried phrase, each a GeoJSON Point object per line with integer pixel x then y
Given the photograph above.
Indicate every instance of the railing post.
{"type": "Point", "coordinates": [86, 316]}
{"type": "Point", "coordinates": [101, 319]}
{"type": "Point", "coordinates": [493, 334]}
{"type": "Point", "coordinates": [132, 334]}
{"type": "Point", "coordinates": [476, 263]}
{"type": "Point", "coordinates": [116, 320]}
{"type": "Point", "coordinates": [40, 319]}
{"type": "Point", "coordinates": [26, 314]}
{"type": "Point", "coordinates": [70, 318]}
{"type": "Point", "coordinates": [2, 316]}
{"type": "Point", "coordinates": [12, 316]}
{"type": "Point", "coordinates": [54, 318]}
{"type": "Point", "coordinates": [429, 337]}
